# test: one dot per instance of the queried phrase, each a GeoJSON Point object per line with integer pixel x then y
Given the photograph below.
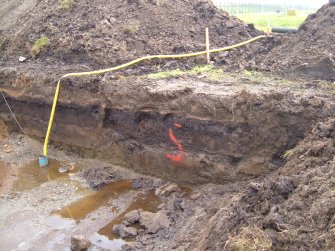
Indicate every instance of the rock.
{"type": "Point", "coordinates": [131, 217]}
{"type": "Point", "coordinates": [100, 176]}
{"type": "Point", "coordinates": [79, 243]}
{"type": "Point", "coordinates": [22, 59]}
{"type": "Point", "coordinates": [153, 222]}
{"type": "Point", "coordinates": [124, 231]}
{"type": "Point", "coordinates": [63, 169]}
{"type": "Point", "coordinates": [137, 184]}
{"type": "Point", "coordinates": [142, 183]}
{"type": "Point", "coordinates": [167, 189]}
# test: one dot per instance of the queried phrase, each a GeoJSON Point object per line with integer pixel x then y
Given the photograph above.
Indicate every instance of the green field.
{"type": "Point", "coordinates": [276, 20]}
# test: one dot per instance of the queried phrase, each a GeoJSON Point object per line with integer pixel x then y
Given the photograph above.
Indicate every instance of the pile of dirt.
{"type": "Point", "coordinates": [311, 51]}
{"type": "Point", "coordinates": [105, 33]}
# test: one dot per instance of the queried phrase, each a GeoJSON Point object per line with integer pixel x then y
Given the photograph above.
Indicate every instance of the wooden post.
{"type": "Point", "coordinates": [207, 46]}
{"type": "Point", "coordinates": [269, 28]}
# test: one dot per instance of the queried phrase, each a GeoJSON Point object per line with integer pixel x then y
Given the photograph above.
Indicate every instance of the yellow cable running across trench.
{"type": "Point", "coordinates": [136, 61]}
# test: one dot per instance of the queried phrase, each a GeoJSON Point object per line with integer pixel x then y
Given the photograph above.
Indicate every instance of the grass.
{"type": "Point", "coordinates": [66, 4]}
{"type": "Point", "coordinates": [210, 72]}
{"type": "Point", "coordinates": [287, 154]}
{"type": "Point", "coordinates": [166, 74]}
{"type": "Point", "coordinates": [39, 45]}
{"type": "Point", "coordinates": [276, 20]}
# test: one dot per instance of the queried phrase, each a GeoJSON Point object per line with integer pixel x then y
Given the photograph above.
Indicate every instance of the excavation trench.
{"type": "Point", "coordinates": [185, 131]}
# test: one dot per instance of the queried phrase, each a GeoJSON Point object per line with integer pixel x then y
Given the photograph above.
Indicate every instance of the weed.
{"type": "Point", "coordinates": [38, 46]}
{"type": "Point", "coordinates": [66, 4]}
{"type": "Point", "coordinates": [249, 239]}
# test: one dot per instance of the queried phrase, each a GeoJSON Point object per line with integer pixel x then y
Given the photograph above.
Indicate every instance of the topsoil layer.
{"type": "Point", "coordinates": [105, 33]}
{"type": "Point", "coordinates": [311, 51]}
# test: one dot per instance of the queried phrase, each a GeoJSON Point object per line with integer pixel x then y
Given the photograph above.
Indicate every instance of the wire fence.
{"type": "Point", "coordinates": [246, 8]}
{"type": "Point", "coordinates": [254, 6]}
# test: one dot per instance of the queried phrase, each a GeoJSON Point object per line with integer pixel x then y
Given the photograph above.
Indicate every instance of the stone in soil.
{"type": "Point", "coordinates": [131, 217]}
{"type": "Point", "coordinates": [167, 189]}
{"type": "Point", "coordinates": [124, 231]}
{"type": "Point", "coordinates": [153, 222]}
{"type": "Point", "coordinates": [79, 243]}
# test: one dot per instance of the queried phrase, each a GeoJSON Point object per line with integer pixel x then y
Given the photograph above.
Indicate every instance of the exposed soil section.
{"type": "Point", "coordinates": [228, 130]}
{"type": "Point", "coordinates": [310, 52]}
{"type": "Point", "coordinates": [275, 165]}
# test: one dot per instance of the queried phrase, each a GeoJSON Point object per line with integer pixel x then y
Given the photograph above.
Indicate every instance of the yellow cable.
{"type": "Point", "coordinates": [53, 110]}
{"type": "Point", "coordinates": [90, 73]}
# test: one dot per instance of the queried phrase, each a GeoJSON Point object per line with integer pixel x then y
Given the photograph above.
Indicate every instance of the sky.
{"type": "Point", "coordinates": [314, 3]}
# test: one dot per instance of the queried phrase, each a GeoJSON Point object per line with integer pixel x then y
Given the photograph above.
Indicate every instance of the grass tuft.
{"type": "Point", "coordinates": [287, 154]}
{"type": "Point", "coordinates": [39, 45]}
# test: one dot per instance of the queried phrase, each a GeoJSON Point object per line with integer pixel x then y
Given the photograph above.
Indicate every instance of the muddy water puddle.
{"type": "Point", "coordinates": [32, 175]}
{"type": "Point", "coordinates": [93, 215]}
{"type": "Point", "coordinates": [81, 208]}
{"type": "Point", "coordinates": [103, 200]}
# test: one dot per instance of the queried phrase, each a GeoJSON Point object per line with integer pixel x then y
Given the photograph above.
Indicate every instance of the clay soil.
{"type": "Point", "coordinates": [256, 168]}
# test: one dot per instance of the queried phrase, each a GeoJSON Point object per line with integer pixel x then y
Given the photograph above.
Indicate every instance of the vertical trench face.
{"type": "Point", "coordinates": [183, 148]}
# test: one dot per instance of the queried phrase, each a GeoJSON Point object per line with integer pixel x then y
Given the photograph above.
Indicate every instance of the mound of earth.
{"type": "Point", "coordinates": [311, 51]}
{"type": "Point", "coordinates": [105, 33]}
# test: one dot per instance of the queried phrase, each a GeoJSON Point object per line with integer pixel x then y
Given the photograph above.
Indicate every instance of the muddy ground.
{"type": "Point", "coordinates": [204, 160]}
